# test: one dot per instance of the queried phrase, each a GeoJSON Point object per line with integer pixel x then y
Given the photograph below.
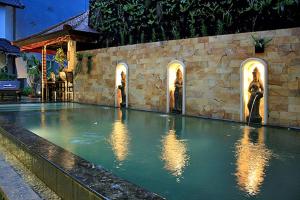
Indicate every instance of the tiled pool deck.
{"type": "Point", "coordinates": [25, 177]}
{"type": "Point", "coordinates": [12, 186]}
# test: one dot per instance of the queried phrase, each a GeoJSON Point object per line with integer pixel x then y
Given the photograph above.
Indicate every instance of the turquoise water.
{"type": "Point", "coordinates": [176, 157]}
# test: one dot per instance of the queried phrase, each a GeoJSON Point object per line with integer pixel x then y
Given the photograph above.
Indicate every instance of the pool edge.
{"type": "Point", "coordinates": [69, 182]}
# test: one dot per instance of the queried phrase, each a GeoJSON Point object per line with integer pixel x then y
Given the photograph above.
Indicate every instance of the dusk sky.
{"type": "Point", "coordinates": [41, 14]}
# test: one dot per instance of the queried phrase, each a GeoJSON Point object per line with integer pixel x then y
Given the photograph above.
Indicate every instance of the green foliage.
{"type": "Point", "coordinates": [79, 56]}
{"type": "Point", "coordinates": [122, 36]}
{"type": "Point", "coordinates": [220, 27]}
{"type": "Point", "coordinates": [192, 23]}
{"type": "Point", "coordinates": [153, 36]}
{"type": "Point", "coordinates": [4, 76]}
{"type": "Point", "coordinates": [175, 32]}
{"type": "Point", "coordinates": [27, 91]}
{"type": "Point", "coordinates": [33, 71]}
{"type": "Point", "coordinates": [78, 67]}
{"type": "Point", "coordinates": [142, 37]}
{"type": "Point", "coordinates": [61, 58]}
{"type": "Point", "coordinates": [130, 39]}
{"type": "Point", "coordinates": [203, 28]}
{"type": "Point", "coordinates": [260, 42]}
{"type": "Point", "coordinates": [32, 65]}
{"type": "Point", "coordinates": [122, 22]}
{"type": "Point", "coordinates": [89, 63]}
{"type": "Point", "coordinates": [163, 34]}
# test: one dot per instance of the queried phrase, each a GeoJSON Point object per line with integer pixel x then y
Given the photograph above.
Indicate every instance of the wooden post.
{"type": "Point", "coordinates": [44, 72]}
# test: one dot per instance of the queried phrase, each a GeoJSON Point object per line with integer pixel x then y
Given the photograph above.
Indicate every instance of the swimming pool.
{"type": "Point", "coordinates": [176, 157]}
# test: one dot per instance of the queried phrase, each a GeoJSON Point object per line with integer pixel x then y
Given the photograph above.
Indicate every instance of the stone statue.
{"type": "Point", "coordinates": [52, 77]}
{"type": "Point", "coordinates": [122, 88]}
{"type": "Point", "coordinates": [256, 91]}
{"type": "Point", "coordinates": [178, 92]}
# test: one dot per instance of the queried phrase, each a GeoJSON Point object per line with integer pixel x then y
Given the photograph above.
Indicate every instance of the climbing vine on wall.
{"type": "Point", "coordinates": [138, 21]}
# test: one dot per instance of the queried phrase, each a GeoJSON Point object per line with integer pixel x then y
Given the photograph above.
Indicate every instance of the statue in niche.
{"type": "Point", "coordinates": [122, 89]}
{"type": "Point", "coordinates": [256, 91]}
{"type": "Point", "coordinates": [178, 92]}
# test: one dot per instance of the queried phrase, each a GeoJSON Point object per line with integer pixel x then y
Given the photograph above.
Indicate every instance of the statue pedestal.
{"type": "Point", "coordinates": [63, 76]}
{"type": "Point", "coordinates": [254, 119]}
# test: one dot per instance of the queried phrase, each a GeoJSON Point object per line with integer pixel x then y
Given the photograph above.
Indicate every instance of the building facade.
{"type": "Point", "coordinates": [7, 33]}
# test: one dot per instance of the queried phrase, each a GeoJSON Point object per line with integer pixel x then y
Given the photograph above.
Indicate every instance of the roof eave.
{"type": "Point", "coordinates": [39, 38]}
{"type": "Point", "coordinates": [10, 53]}
{"type": "Point", "coordinates": [13, 5]}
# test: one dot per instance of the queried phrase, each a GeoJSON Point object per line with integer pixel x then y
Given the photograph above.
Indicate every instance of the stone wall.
{"type": "Point", "coordinates": [212, 74]}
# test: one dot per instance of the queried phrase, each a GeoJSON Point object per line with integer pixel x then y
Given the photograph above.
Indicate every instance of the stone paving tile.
{"type": "Point", "coordinates": [13, 185]}
{"type": "Point", "coordinates": [33, 182]}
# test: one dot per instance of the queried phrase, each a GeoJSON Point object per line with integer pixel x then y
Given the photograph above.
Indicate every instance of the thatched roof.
{"type": "Point", "coordinates": [13, 3]}
{"type": "Point", "coordinates": [78, 23]}
{"type": "Point", "coordinates": [76, 27]}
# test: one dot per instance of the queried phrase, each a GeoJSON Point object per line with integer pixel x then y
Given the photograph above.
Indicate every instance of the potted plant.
{"type": "Point", "coordinates": [61, 58]}
{"type": "Point", "coordinates": [27, 91]}
{"type": "Point", "coordinates": [260, 43]}
{"type": "Point", "coordinates": [89, 63]}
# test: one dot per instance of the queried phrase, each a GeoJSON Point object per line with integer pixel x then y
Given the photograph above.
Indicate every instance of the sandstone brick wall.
{"type": "Point", "coordinates": [212, 74]}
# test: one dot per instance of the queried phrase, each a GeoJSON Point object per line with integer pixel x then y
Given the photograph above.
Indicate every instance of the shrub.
{"type": "Point", "coordinates": [27, 91]}
{"type": "Point", "coordinates": [123, 22]}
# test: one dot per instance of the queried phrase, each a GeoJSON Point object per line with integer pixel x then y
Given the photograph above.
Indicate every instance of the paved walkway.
{"type": "Point", "coordinates": [13, 185]}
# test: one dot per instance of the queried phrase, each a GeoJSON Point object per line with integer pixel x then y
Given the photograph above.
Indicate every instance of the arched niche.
{"type": "Point", "coordinates": [121, 67]}
{"type": "Point", "coordinates": [172, 69]}
{"type": "Point", "coordinates": [246, 69]}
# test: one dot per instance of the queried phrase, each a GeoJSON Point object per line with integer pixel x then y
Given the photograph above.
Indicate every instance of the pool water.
{"type": "Point", "coordinates": [176, 157]}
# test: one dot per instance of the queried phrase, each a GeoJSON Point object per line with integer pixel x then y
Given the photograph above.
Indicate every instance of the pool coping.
{"type": "Point", "coordinates": [71, 177]}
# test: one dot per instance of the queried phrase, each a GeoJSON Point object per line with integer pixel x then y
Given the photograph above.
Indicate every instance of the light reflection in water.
{"type": "Point", "coordinates": [252, 158]}
{"type": "Point", "coordinates": [174, 152]}
{"type": "Point", "coordinates": [119, 138]}
{"type": "Point", "coordinates": [43, 120]}
{"type": "Point", "coordinates": [43, 117]}
{"type": "Point", "coordinates": [66, 129]}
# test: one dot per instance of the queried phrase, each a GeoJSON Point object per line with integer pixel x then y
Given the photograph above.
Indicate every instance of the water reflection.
{"type": "Point", "coordinates": [43, 117]}
{"type": "Point", "coordinates": [174, 150]}
{"type": "Point", "coordinates": [119, 138]}
{"type": "Point", "coordinates": [66, 127]}
{"type": "Point", "coordinates": [252, 158]}
{"type": "Point", "coordinates": [65, 158]}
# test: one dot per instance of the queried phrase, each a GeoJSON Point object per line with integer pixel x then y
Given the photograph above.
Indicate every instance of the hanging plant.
{"type": "Point", "coordinates": [78, 67]}
{"type": "Point", "coordinates": [61, 58]}
{"type": "Point", "coordinates": [89, 62]}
